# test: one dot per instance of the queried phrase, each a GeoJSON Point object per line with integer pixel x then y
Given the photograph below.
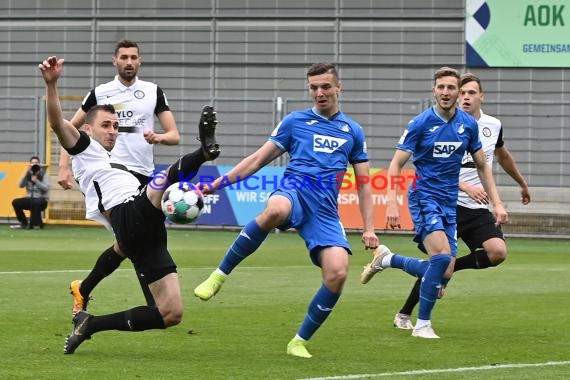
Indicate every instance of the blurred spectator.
{"type": "Point", "coordinates": [36, 182]}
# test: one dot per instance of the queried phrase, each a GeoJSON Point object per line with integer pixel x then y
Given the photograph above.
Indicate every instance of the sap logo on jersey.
{"type": "Point", "coordinates": [327, 144]}
{"type": "Point", "coordinates": [445, 149]}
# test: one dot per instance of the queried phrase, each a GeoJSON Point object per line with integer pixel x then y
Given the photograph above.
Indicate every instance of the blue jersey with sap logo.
{"type": "Point", "coordinates": [319, 149]}
{"type": "Point", "coordinates": [437, 147]}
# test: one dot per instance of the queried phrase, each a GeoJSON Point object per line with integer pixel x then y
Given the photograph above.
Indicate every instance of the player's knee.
{"type": "Point", "coordinates": [335, 279]}
{"type": "Point", "coordinates": [172, 317]}
{"type": "Point", "coordinates": [272, 217]}
{"type": "Point", "coordinates": [497, 255]}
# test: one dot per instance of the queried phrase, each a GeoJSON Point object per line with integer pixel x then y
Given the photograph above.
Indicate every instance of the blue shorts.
{"type": "Point", "coordinates": [317, 224]}
{"type": "Point", "coordinates": [428, 216]}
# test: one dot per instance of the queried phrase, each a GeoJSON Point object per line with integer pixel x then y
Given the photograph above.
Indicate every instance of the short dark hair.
{"type": "Point", "coordinates": [445, 72]}
{"type": "Point", "coordinates": [469, 77]}
{"type": "Point", "coordinates": [126, 44]}
{"type": "Point", "coordinates": [35, 158]}
{"type": "Point", "coordinates": [92, 113]}
{"type": "Point", "coordinates": [322, 68]}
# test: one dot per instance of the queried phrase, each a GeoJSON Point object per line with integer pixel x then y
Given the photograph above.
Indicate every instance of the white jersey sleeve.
{"type": "Point", "coordinates": [103, 183]}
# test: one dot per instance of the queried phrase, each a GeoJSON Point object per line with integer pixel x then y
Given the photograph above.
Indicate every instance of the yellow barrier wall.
{"type": "Point", "coordinates": [10, 175]}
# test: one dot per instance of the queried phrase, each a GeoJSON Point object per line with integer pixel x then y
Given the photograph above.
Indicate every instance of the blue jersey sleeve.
{"type": "Point", "coordinates": [410, 138]}
{"type": "Point", "coordinates": [359, 152]}
{"type": "Point", "coordinates": [281, 135]}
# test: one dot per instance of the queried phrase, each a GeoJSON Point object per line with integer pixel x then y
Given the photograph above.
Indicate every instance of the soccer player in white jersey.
{"type": "Point", "coordinates": [115, 198]}
{"type": "Point", "coordinates": [321, 142]}
{"type": "Point", "coordinates": [137, 102]}
{"type": "Point", "coordinates": [436, 140]}
{"type": "Point", "coordinates": [475, 223]}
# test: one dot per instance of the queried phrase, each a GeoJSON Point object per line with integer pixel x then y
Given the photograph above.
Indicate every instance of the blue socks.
{"type": "Point", "coordinates": [431, 272]}
{"type": "Point", "coordinates": [431, 282]}
{"type": "Point", "coordinates": [411, 265]}
{"type": "Point", "coordinates": [249, 239]}
{"type": "Point", "coordinates": [319, 309]}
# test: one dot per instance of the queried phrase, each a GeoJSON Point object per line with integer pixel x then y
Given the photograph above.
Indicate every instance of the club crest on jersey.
{"type": "Point", "coordinates": [444, 149]}
{"type": "Point", "coordinates": [327, 144]}
{"type": "Point", "coordinates": [139, 94]}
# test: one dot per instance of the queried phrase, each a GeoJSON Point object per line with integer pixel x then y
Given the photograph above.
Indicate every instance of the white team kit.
{"type": "Point", "coordinates": [136, 106]}
{"type": "Point", "coordinates": [491, 137]}
{"type": "Point", "coordinates": [102, 182]}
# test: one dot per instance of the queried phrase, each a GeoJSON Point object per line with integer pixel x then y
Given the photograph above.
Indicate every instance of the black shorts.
{"type": "Point", "coordinates": [475, 226]}
{"type": "Point", "coordinates": [140, 232]}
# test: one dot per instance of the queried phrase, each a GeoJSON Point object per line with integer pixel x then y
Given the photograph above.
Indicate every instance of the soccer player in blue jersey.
{"type": "Point", "coordinates": [436, 140]}
{"type": "Point", "coordinates": [475, 223]}
{"type": "Point", "coordinates": [321, 141]}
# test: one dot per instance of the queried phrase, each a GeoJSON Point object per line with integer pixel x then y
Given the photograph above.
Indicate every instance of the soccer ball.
{"type": "Point", "coordinates": [182, 202]}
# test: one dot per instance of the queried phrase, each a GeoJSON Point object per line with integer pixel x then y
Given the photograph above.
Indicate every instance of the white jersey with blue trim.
{"type": "Point", "coordinates": [437, 147]}
{"type": "Point", "coordinates": [136, 106]}
{"type": "Point", "coordinates": [491, 136]}
{"type": "Point", "coordinates": [103, 183]}
{"type": "Point", "coordinates": [320, 150]}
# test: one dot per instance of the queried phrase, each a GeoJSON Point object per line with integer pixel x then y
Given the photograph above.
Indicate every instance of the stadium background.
{"type": "Point", "coordinates": [248, 58]}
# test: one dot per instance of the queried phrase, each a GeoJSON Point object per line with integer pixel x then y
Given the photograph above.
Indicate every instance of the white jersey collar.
{"type": "Point", "coordinates": [122, 87]}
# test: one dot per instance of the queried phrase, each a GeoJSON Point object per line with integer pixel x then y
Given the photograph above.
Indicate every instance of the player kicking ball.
{"type": "Point", "coordinates": [114, 198]}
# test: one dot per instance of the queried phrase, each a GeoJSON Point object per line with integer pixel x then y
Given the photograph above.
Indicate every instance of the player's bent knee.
{"type": "Point", "coordinates": [497, 256]}
{"type": "Point", "coordinates": [172, 317]}
{"type": "Point", "coordinates": [275, 212]}
{"type": "Point", "coordinates": [272, 217]}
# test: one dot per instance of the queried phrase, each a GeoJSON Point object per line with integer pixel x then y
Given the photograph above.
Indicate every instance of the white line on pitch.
{"type": "Point", "coordinates": [442, 370]}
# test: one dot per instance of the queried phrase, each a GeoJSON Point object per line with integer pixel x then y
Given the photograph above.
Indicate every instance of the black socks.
{"type": "Point", "coordinates": [105, 265]}
{"type": "Point", "coordinates": [139, 318]}
{"type": "Point", "coordinates": [186, 168]}
{"type": "Point", "coordinates": [474, 260]}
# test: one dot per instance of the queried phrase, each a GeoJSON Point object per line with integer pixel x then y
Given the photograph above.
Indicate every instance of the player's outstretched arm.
{"type": "Point", "coordinates": [248, 166]}
{"type": "Point", "coordinates": [67, 134]}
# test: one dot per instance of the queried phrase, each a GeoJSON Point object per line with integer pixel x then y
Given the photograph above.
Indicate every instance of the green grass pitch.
{"type": "Point", "coordinates": [509, 322]}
